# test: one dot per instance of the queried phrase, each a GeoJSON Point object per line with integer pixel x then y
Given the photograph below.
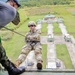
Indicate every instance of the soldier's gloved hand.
{"type": "Point", "coordinates": [36, 38]}
{"type": "Point", "coordinates": [17, 19]}
{"type": "Point", "coordinates": [29, 38]}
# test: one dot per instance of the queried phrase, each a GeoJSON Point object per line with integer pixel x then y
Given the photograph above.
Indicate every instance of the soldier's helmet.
{"type": "Point", "coordinates": [31, 23]}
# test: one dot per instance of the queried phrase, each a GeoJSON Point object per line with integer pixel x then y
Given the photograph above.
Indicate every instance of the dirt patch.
{"type": "Point", "coordinates": [71, 9]}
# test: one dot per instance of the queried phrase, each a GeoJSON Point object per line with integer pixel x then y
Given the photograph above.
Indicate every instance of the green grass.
{"type": "Point", "coordinates": [44, 54]}
{"type": "Point", "coordinates": [63, 11]}
{"type": "Point", "coordinates": [63, 55]}
{"type": "Point", "coordinates": [13, 47]}
{"type": "Point", "coordinates": [69, 22]}
{"type": "Point", "coordinates": [74, 35]}
{"type": "Point", "coordinates": [44, 29]}
{"type": "Point", "coordinates": [24, 27]}
{"type": "Point", "coordinates": [33, 17]}
{"type": "Point", "coordinates": [6, 35]}
{"type": "Point", "coordinates": [56, 29]}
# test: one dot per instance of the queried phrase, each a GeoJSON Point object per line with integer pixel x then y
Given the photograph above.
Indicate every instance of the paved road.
{"type": "Point", "coordinates": [71, 50]}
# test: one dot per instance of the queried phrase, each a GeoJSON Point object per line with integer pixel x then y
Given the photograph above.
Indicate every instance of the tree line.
{"type": "Point", "coordinates": [44, 2]}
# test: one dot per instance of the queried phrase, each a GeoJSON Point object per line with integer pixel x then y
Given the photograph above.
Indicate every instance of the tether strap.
{"type": "Point", "coordinates": [14, 31]}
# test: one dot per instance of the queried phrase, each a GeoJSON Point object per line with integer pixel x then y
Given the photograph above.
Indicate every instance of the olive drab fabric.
{"type": "Point", "coordinates": [17, 19]}
{"type": "Point", "coordinates": [0, 39]}
{"type": "Point", "coordinates": [2, 52]}
{"type": "Point", "coordinates": [0, 44]}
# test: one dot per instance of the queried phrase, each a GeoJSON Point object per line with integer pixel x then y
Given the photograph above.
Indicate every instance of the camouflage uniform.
{"type": "Point", "coordinates": [32, 43]}
{"type": "Point", "coordinates": [7, 64]}
{"type": "Point", "coordinates": [32, 40]}
{"type": "Point", "coordinates": [2, 53]}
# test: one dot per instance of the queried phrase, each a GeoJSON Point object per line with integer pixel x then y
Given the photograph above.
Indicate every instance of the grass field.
{"type": "Point", "coordinates": [65, 11]}
{"type": "Point", "coordinates": [14, 45]}
{"type": "Point", "coordinates": [56, 29]}
{"type": "Point", "coordinates": [62, 54]}
{"type": "Point", "coordinates": [44, 54]}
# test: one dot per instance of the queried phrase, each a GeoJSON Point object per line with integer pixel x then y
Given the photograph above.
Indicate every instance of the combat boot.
{"type": "Point", "coordinates": [12, 69]}
{"type": "Point", "coordinates": [39, 65]}
{"type": "Point", "coordinates": [15, 71]}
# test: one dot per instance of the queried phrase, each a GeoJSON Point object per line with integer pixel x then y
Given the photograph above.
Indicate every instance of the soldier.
{"type": "Point", "coordinates": [7, 14]}
{"type": "Point", "coordinates": [32, 40]}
